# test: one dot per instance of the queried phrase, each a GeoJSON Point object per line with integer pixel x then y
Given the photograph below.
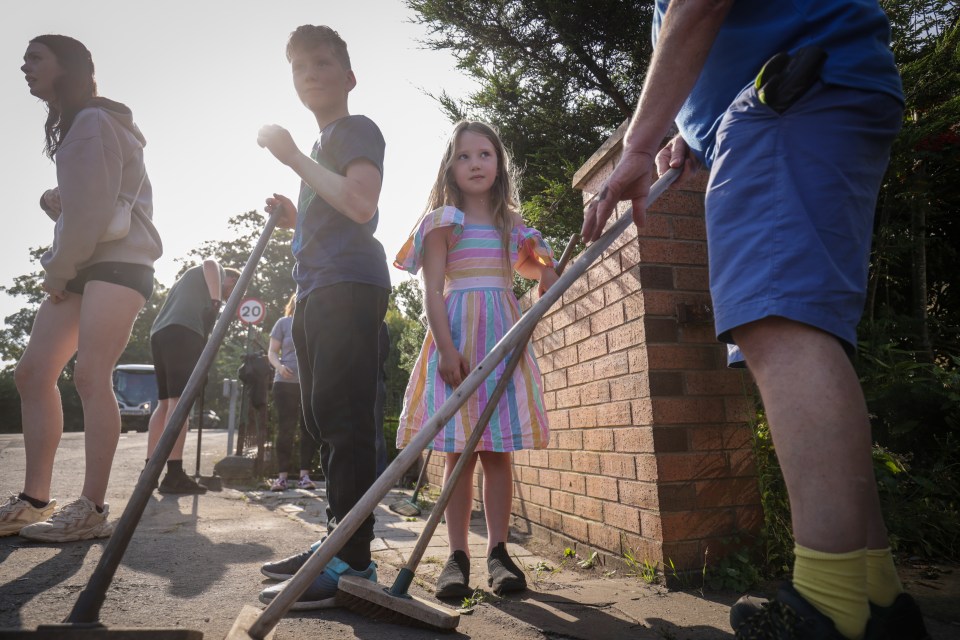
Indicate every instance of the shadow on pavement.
{"type": "Point", "coordinates": [167, 544]}
{"type": "Point", "coordinates": [68, 558]}
{"type": "Point", "coordinates": [555, 615]}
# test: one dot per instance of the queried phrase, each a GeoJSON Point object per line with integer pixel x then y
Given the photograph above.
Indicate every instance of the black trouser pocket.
{"type": "Point", "coordinates": [784, 78]}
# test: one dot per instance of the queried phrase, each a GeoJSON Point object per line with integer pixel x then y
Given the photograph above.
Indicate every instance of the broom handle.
{"type": "Point", "coordinates": [323, 554]}
{"type": "Point", "coordinates": [90, 600]}
{"type": "Point", "coordinates": [451, 482]}
{"type": "Point", "coordinates": [420, 477]}
{"type": "Point", "coordinates": [203, 389]}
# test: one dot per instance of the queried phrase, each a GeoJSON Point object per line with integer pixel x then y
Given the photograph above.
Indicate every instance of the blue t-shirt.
{"type": "Point", "coordinates": [330, 247]}
{"type": "Point", "coordinates": [283, 332]}
{"type": "Point", "coordinates": [854, 33]}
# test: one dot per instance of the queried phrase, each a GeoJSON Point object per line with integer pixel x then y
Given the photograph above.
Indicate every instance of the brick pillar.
{"type": "Point", "coordinates": [650, 447]}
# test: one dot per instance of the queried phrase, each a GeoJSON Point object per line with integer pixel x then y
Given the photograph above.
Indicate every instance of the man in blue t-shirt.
{"type": "Point", "coordinates": [793, 106]}
{"type": "Point", "coordinates": [342, 289]}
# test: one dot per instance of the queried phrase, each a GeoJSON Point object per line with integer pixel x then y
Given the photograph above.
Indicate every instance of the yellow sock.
{"type": "Point", "coordinates": [883, 583]}
{"type": "Point", "coordinates": [836, 584]}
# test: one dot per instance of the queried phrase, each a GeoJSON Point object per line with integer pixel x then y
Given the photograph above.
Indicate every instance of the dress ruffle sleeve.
{"type": "Point", "coordinates": [530, 243]}
{"type": "Point", "coordinates": [410, 256]}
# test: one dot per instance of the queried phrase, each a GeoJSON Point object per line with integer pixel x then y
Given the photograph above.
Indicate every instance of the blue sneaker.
{"type": "Point", "coordinates": [321, 594]}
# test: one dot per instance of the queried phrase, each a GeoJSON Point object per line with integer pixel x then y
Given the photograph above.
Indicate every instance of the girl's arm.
{"type": "Point", "coordinates": [532, 269]}
{"type": "Point", "coordinates": [273, 355]}
{"type": "Point", "coordinates": [453, 366]}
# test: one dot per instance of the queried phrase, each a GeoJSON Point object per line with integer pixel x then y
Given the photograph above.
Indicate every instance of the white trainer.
{"type": "Point", "coordinates": [79, 520]}
{"type": "Point", "coordinates": [17, 513]}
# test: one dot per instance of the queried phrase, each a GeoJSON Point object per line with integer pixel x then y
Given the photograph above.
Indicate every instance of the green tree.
{"type": "Point", "coordinates": [272, 283]}
{"type": "Point", "coordinates": [555, 77]}
{"type": "Point", "coordinates": [911, 298]}
{"type": "Point", "coordinates": [407, 301]}
{"type": "Point", "coordinates": [16, 332]}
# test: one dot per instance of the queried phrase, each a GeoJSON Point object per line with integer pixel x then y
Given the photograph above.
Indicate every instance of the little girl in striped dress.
{"type": "Point", "coordinates": [468, 245]}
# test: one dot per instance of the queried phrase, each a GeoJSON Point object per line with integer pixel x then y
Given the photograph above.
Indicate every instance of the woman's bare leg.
{"type": "Point", "coordinates": [53, 341]}
{"type": "Point", "coordinates": [107, 315]}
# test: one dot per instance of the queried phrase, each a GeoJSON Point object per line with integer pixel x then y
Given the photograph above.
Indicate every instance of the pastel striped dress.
{"type": "Point", "coordinates": [481, 308]}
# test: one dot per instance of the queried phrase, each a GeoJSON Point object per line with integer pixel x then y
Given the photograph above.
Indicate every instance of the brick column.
{"type": "Point", "coordinates": [650, 449]}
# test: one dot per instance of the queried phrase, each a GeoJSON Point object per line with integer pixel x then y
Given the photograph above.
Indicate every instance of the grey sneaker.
{"type": "Point", "coordinates": [17, 514]}
{"type": "Point", "coordinates": [322, 592]}
{"type": "Point", "coordinates": [286, 568]}
{"type": "Point", "coordinates": [79, 520]}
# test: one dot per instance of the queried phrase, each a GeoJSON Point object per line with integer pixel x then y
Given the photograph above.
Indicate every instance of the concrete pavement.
{"type": "Point", "coordinates": [194, 562]}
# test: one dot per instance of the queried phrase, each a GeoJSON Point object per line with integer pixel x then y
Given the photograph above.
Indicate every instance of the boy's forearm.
{"type": "Point", "coordinates": [344, 194]}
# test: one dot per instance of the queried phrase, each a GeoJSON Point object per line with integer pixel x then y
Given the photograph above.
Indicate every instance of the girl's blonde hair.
{"type": "Point", "coordinates": [504, 196]}
{"type": "Point", "coordinates": [291, 305]}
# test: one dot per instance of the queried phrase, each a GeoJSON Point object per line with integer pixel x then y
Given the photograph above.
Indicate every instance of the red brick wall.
{"type": "Point", "coordinates": [650, 442]}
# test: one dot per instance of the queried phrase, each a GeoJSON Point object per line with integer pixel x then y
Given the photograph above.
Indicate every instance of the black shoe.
{"type": "Point", "coordinates": [182, 484]}
{"type": "Point", "coordinates": [454, 580]}
{"type": "Point", "coordinates": [745, 607]}
{"type": "Point", "coordinates": [901, 620]}
{"type": "Point", "coordinates": [787, 617]}
{"type": "Point", "coordinates": [505, 576]}
{"type": "Point", "coordinates": [286, 568]}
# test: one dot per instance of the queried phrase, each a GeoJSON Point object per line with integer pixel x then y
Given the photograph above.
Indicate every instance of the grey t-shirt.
{"type": "Point", "coordinates": [186, 302]}
{"type": "Point", "coordinates": [283, 331]}
{"type": "Point", "coordinates": [329, 247]}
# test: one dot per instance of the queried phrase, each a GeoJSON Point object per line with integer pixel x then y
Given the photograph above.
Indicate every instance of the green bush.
{"type": "Point", "coordinates": [915, 416]}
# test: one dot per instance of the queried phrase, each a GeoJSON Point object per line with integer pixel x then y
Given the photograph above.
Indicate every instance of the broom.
{"type": "Point", "coordinates": [408, 506]}
{"type": "Point", "coordinates": [395, 604]}
{"type": "Point", "coordinates": [256, 625]}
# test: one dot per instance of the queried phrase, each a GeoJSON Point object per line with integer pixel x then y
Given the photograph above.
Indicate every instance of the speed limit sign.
{"type": "Point", "coordinates": [251, 311]}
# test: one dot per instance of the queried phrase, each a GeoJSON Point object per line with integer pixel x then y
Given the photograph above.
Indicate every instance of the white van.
{"type": "Point", "coordinates": [135, 386]}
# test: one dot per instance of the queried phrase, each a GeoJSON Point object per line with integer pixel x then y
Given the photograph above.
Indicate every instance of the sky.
{"type": "Point", "coordinates": [201, 79]}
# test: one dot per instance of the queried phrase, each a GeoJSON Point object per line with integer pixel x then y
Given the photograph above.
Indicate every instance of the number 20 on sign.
{"type": "Point", "coordinates": [251, 311]}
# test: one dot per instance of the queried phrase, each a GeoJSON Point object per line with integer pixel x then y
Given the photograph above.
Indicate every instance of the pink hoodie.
{"type": "Point", "coordinates": [100, 158]}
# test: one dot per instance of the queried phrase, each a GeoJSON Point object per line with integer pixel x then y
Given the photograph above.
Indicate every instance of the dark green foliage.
{"type": "Point", "coordinates": [736, 571]}
{"type": "Point", "coordinates": [921, 505]}
{"type": "Point", "coordinates": [912, 299]}
{"type": "Point", "coordinates": [407, 298]}
{"type": "Point", "coordinates": [776, 537]}
{"type": "Point", "coordinates": [915, 413]}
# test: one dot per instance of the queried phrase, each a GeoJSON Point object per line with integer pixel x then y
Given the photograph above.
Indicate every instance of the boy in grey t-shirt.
{"type": "Point", "coordinates": [342, 290]}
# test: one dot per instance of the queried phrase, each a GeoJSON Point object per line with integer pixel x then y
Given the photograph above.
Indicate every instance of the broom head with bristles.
{"type": "Point", "coordinates": [406, 508]}
{"type": "Point", "coordinates": [375, 601]}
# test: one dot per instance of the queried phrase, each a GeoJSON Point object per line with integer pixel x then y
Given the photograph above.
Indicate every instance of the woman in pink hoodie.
{"type": "Point", "coordinates": [96, 285]}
